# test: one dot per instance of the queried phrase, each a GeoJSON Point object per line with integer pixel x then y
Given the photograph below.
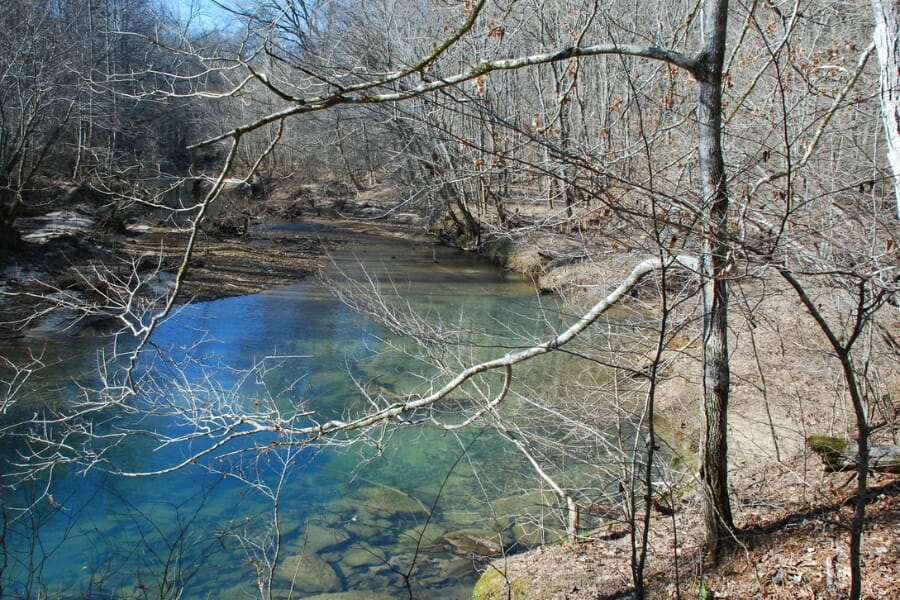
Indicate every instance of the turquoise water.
{"type": "Point", "coordinates": [380, 515]}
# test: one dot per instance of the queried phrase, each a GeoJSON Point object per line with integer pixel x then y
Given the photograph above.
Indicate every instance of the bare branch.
{"type": "Point", "coordinates": [231, 427]}
{"type": "Point", "coordinates": [346, 96]}
{"type": "Point", "coordinates": [823, 124]}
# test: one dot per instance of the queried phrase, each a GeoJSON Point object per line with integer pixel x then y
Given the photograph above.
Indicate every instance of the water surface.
{"type": "Point", "coordinates": [378, 515]}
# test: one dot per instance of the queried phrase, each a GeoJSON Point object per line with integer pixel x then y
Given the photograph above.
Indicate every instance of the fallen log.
{"type": "Point", "coordinates": [842, 455]}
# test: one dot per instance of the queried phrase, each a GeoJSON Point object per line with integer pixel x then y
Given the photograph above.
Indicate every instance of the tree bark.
{"type": "Point", "coordinates": [887, 44]}
{"type": "Point", "coordinates": [714, 262]}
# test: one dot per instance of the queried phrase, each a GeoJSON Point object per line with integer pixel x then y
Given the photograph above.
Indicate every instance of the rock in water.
{"type": "Point", "coordinates": [472, 543]}
{"type": "Point", "coordinates": [308, 573]}
{"type": "Point", "coordinates": [387, 501]}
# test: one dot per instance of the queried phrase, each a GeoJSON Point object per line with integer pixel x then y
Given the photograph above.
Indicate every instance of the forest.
{"type": "Point", "coordinates": [728, 174]}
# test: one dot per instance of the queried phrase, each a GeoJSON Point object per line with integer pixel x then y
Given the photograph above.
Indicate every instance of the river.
{"type": "Point", "coordinates": [401, 512]}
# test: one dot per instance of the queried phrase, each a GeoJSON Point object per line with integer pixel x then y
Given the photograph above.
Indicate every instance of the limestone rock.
{"type": "Point", "coordinates": [494, 585]}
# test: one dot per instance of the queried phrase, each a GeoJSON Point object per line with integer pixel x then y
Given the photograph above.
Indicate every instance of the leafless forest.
{"type": "Point", "coordinates": [728, 170]}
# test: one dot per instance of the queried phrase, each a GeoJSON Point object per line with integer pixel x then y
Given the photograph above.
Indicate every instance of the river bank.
{"type": "Point", "coordinates": [74, 262]}
{"type": "Point", "coordinates": [792, 515]}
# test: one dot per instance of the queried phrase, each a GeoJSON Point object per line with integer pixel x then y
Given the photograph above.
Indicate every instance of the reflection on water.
{"type": "Point", "coordinates": [405, 512]}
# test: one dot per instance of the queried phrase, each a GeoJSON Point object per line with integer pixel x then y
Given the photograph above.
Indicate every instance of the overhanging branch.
{"type": "Point", "coordinates": [362, 93]}
{"type": "Point", "coordinates": [242, 426]}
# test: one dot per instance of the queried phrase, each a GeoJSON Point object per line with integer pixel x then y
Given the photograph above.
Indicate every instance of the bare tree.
{"type": "Point", "coordinates": [311, 57]}
{"type": "Point", "coordinates": [869, 298]}
{"type": "Point", "coordinates": [887, 44]}
{"type": "Point", "coordinates": [817, 254]}
{"type": "Point", "coordinates": [35, 102]}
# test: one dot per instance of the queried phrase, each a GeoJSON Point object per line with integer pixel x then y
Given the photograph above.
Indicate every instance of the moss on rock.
{"type": "Point", "coordinates": [830, 449]}
{"type": "Point", "coordinates": [495, 585]}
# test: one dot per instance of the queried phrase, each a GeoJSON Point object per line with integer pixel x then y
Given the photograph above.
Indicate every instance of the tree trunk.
{"type": "Point", "coordinates": [9, 210]}
{"type": "Point", "coordinates": [887, 44]}
{"type": "Point", "coordinates": [861, 453]}
{"type": "Point", "coordinates": [714, 261]}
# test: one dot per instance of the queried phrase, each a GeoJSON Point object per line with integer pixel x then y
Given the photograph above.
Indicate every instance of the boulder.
{"type": "Point", "coordinates": [841, 455]}
{"type": "Point", "coordinates": [308, 573]}
{"type": "Point", "coordinates": [495, 585]}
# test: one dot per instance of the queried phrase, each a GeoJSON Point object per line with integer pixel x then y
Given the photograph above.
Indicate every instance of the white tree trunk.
{"type": "Point", "coordinates": [887, 44]}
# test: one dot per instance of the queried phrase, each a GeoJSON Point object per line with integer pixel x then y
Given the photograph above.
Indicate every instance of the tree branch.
{"type": "Point", "coordinates": [241, 426]}
{"type": "Point", "coordinates": [347, 95]}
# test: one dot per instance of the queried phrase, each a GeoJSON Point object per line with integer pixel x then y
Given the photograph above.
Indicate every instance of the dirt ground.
{"type": "Point", "coordinates": [790, 547]}
{"type": "Point", "coordinates": [792, 515]}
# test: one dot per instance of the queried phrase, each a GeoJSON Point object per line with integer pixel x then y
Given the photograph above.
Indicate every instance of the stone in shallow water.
{"type": "Point", "coordinates": [360, 557]}
{"type": "Point", "coordinates": [528, 534]}
{"type": "Point", "coordinates": [472, 543]}
{"type": "Point", "coordinates": [387, 501]}
{"type": "Point", "coordinates": [532, 503]}
{"type": "Point", "coordinates": [423, 536]}
{"type": "Point", "coordinates": [374, 530]}
{"type": "Point", "coordinates": [435, 572]}
{"type": "Point", "coordinates": [356, 595]}
{"type": "Point", "coordinates": [315, 538]}
{"type": "Point", "coordinates": [308, 573]}
{"type": "Point", "coordinates": [467, 519]}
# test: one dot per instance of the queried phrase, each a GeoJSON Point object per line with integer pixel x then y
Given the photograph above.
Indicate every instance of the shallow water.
{"type": "Point", "coordinates": [369, 516]}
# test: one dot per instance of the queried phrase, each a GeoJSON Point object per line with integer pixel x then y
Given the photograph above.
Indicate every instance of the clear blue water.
{"type": "Point", "coordinates": [365, 516]}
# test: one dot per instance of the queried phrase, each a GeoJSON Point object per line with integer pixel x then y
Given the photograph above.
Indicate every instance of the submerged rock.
{"type": "Point", "coordinates": [532, 503]}
{"type": "Point", "coordinates": [528, 534]}
{"type": "Point", "coordinates": [308, 573]}
{"type": "Point", "coordinates": [316, 537]}
{"type": "Point", "coordinates": [473, 543]}
{"type": "Point", "coordinates": [356, 595]}
{"type": "Point", "coordinates": [386, 501]}
{"type": "Point", "coordinates": [422, 536]}
{"type": "Point", "coordinates": [361, 557]}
